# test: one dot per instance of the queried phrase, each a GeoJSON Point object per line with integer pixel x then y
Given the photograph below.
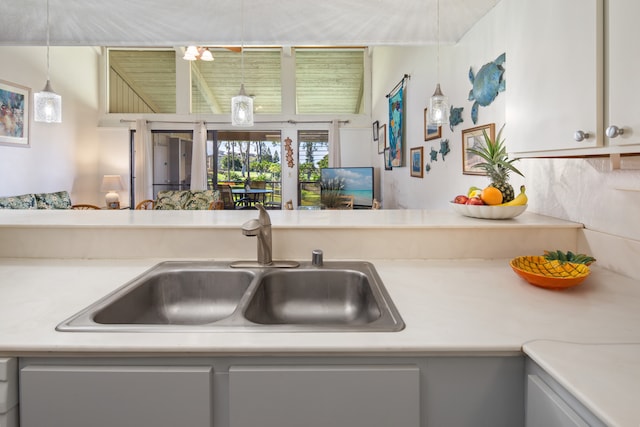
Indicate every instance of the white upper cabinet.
{"type": "Point", "coordinates": [554, 75]}
{"type": "Point", "coordinates": [623, 61]}
{"type": "Point", "coordinates": [572, 77]}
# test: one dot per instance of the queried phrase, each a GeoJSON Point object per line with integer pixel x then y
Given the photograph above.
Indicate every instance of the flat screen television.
{"type": "Point", "coordinates": [357, 181]}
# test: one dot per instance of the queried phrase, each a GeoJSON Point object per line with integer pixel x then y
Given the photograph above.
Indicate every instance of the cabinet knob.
{"type": "Point", "coordinates": [614, 131]}
{"type": "Point", "coordinates": [580, 135]}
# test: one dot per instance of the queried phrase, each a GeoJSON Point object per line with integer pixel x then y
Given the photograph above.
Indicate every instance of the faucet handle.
{"type": "Point", "coordinates": [317, 258]}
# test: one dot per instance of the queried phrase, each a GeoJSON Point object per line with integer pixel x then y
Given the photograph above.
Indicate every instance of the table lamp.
{"type": "Point", "coordinates": [111, 184]}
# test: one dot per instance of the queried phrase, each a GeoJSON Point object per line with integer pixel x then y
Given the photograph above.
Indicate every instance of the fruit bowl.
{"type": "Point", "coordinates": [489, 212]}
{"type": "Point", "coordinates": [549, 274]}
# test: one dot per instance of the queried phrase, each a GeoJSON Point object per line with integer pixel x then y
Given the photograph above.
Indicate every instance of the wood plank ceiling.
{"type": "Point", "coordinates": [327, 80]}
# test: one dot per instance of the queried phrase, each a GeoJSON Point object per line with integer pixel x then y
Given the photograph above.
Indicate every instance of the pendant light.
{"type": "Point", "coordinates": [438, 103]}
{"type": "Point", "coordinates": [47, 103]}
{"type": "Point", "coordinates": [241, 104]}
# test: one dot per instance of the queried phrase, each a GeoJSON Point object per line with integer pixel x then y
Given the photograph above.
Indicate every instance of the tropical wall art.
{"type": "Point", "coordinates": [14, 114]}
{"type": "Point", "coordinates": [416, 162]}
{"type": "Point", "coordinates": [396, 123]}
{"type": "Point", "coordinates": [486, 84]}
{"type": "Point", "coordinates": [430, 131]}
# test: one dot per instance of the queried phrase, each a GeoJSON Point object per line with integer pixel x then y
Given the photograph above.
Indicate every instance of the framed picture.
{"type": "Point", "coordinates": [387, 159]}
{"type": "Point", "coordinates": [416, 162]}
{"type": "Point", "coordinates": [474, 138]}
{"type": "Point", "coordinates": [431, 131]}
{"type": "Point", "coordinates": [382, 139]}
{"type": "Point", "coordinates": [375, 130]}
{"type": "Point", "coordinates": [396, 127]}
{"type": "Point", "coordinates": [15, 102]}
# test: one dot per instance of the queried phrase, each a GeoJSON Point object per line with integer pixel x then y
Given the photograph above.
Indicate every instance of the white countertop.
{"type": "Point", "coordinates": [382, 218]}
{"type": "Point", "coordinates": [448, 306]}
{"type": "Point", "coordinates": [53, 264]}
{"type": "Point", "coordinates": [610, 387]}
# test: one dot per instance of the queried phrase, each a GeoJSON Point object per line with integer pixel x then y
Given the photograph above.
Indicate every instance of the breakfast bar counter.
{"type": "Point", "coordinates": [467, 305]}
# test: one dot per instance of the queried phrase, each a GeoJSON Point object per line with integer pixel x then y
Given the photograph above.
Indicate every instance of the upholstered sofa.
{"type": "Point", "coordinates": [57, 200]}
{"type": "Point", "coordinates": [187, 199]}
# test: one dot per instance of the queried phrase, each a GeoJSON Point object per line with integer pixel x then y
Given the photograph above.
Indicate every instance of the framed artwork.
{"type": "Point", "coordinates": [431, 131]}
{"type": "Point", "coordinates": [474, 138]}
{"type": "Point", "coordinates": [375, 130]}
{"type": "Point", "coordinates": [387, 159]}
{"type": "Point", "coordinates": [396, 127]}
{"type": "Point", "coordinates": [382, 139]}
{"type": "Point", "coordinates": [14, 114]}
{"type": "Point", "coordinates": [417, 162]}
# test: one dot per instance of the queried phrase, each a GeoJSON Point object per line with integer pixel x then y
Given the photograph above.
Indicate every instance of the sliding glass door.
{"type": "Point", "coordinates": [246, 159]}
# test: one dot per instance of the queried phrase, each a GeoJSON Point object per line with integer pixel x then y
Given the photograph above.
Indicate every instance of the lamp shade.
{"type": "Point", "coordinates": [47, 105]}
{"type": "Point", "coordinates": [206, 55]}
{"type": "Point", "coordinates": [438, 108]}
{"type": "Point", "coordinates": [111, 183]}
{"type": "Point", "coordinates": [242, 109]}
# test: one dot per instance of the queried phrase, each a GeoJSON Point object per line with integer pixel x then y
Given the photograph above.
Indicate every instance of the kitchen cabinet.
{"type": "Point", "coordinates": [281, 391]}
{"type": "Point", "coordinates": [548, 404]}
{"type": "Point", "coordinates": [554, 74]}
{"type": "Point", "coordinates": [623, 60]}
{"type": "Point", "coordinates": [104, 396]}
{"type": "Point", "coordinates": [318, 396]}
{"type": "Point", "coordinates": [8, 392]}
{"type": "Point", "coordinates": [565, 86]}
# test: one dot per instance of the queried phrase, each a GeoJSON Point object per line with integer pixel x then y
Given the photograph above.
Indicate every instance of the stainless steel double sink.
{"type": "Point", "coordinates": [199, 296]}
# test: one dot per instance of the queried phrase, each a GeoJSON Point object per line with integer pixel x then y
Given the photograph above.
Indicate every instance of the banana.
{"type": "Point", "coordinates": [521, 199]}
{"type": "Point", "coordinates": [474, 192]}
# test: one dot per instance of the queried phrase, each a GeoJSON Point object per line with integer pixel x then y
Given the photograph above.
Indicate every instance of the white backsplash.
{"type": "Point", "coordinates": [589, 191]}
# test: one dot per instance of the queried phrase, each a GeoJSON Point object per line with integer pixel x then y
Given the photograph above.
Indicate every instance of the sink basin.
{"type": "Point", "coordinates": [198, 296]}
{"type": "Point", "coordinates": [191, 297]}
{"type": "Point", "coordinates": [339, 297]}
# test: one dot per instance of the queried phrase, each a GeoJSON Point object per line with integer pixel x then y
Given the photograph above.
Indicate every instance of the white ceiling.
{"type": "Point", "coordinates": [217, 22]}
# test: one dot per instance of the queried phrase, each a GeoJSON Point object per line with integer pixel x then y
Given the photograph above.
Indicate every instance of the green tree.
{"type": "Point", "coordinates": [324, 162]}
{"type": "Point", "coordinates": [231, 162]}
{"type": "Point", "coordinates": [306, 170]}
{"type": "Point", "coordinates": [275, 169]}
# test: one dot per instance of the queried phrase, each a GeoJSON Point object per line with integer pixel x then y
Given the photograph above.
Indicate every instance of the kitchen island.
{"type": "Point", "coordinates": [472, 305]}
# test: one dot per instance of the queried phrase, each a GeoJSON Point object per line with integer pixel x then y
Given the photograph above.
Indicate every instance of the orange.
{"type": "Point", "coordinates": [491, 196]}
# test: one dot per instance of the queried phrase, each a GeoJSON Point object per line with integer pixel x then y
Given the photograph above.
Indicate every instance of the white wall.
{"type": "Point", "coordinates": [581, 190]}
{"type": "Point", "coordinates": [482, 44]}
{"type": "Point", "coordinates": [61, 156]}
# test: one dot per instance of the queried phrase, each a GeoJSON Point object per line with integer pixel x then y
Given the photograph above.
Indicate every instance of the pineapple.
{"type": "Point", "coordinates": [496, 164]}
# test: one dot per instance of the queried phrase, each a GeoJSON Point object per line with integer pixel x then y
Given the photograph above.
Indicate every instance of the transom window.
{"type": "Point", "coordinates": [327, 81]}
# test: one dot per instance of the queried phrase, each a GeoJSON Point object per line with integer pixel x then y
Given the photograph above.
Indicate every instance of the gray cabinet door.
{"type": "Point", "coordinates": [546, 409]}
{"type": "Point", "coordinates": [107, 396]}
{"type": "Point", "coordinates": [320, 396]}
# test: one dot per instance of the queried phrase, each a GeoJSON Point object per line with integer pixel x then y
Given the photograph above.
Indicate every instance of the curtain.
{"type": "Point", "coordinates": [143, 162]}
{"type": "Point", "coordinates": [334, 144]}
{"type": "Point", "coordinates": [199, 157]}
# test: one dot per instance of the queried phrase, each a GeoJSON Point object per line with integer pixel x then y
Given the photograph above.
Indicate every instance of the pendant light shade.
{"type": "Point", "coordinates": [47, 104]}
{"type": "Point", "coordinates": [242, 109]}
{"type": "Point", "coordinates": [438, 108]}
{"type": "Point", "coordinates": [438, 103]}
{"type": "Point", "coordinates": [241, 104]}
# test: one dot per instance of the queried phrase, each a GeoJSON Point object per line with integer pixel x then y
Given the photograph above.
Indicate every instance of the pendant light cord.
{"type": "Point", "coordinates": [48, 77]}
{"type": "Point", "coordinates": [241, 39]}
{"type": "Point", "coordinates": [438, 38]}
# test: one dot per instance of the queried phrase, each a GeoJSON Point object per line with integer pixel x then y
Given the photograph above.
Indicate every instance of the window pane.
{"type": "Point", "coordinates": [142, 81]}
{"type": "Point", "coordinates": [214, 83]}
{"type": "Point", "coordinates": [329, 81]}
{"type": "Point", "coordinates": [237, 158]}
{"type": "Point", "coordinates": [313, 154]}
